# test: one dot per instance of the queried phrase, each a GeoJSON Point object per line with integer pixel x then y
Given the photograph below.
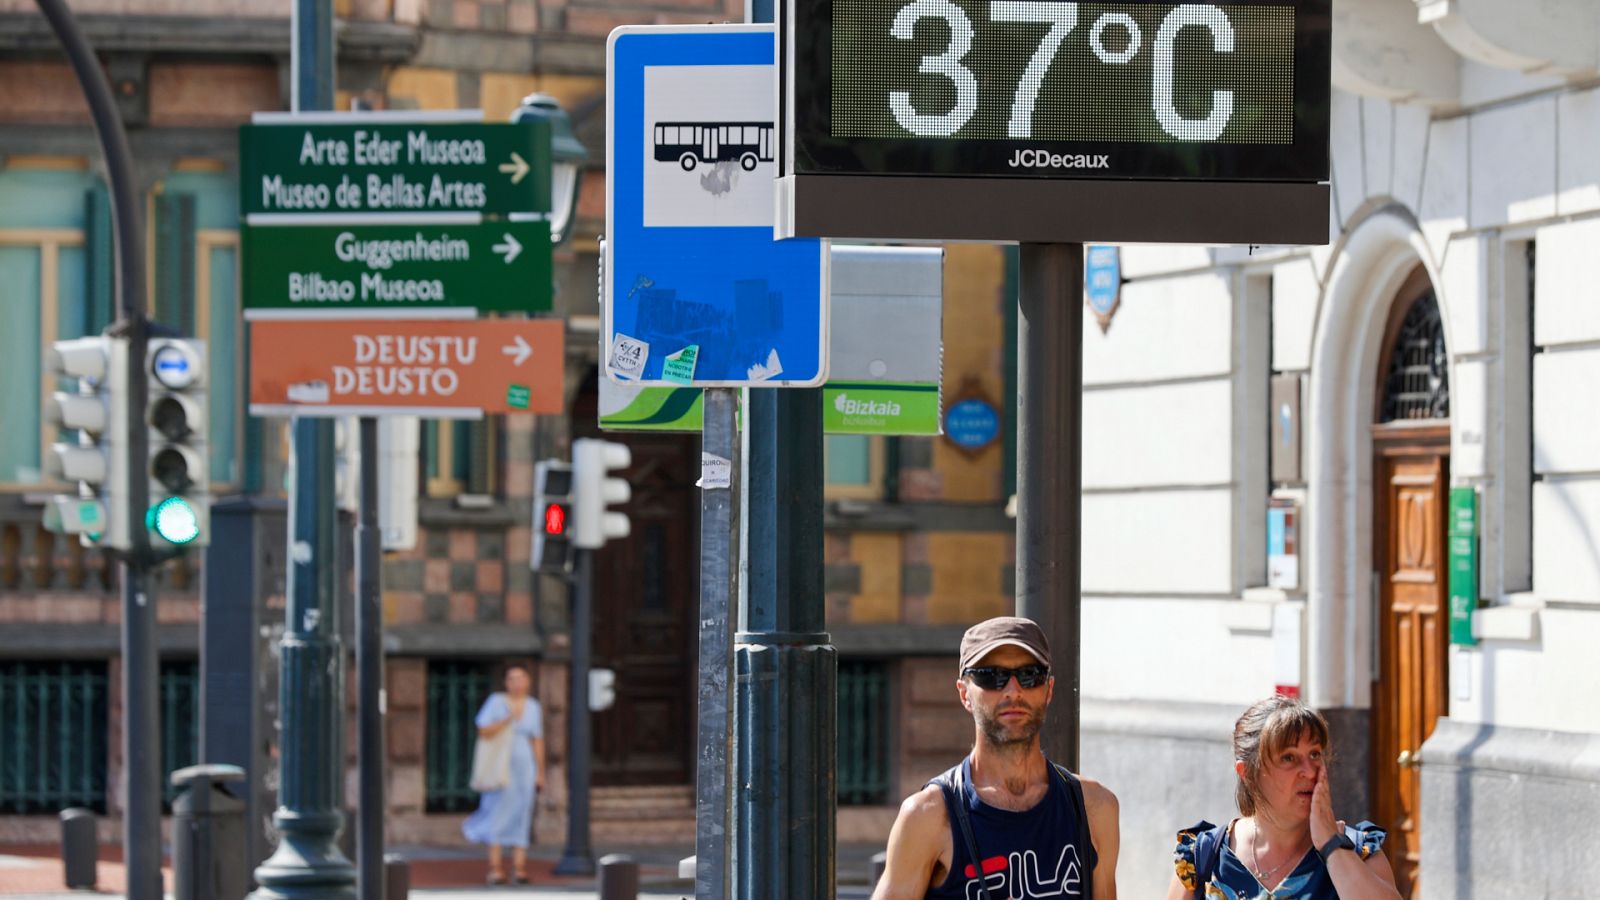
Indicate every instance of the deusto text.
{"type": "Point", "coordinates": [390, 365]}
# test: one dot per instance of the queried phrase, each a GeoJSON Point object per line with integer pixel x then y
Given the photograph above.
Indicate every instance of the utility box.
{"type": "Point", "coordinates": [208, 835]}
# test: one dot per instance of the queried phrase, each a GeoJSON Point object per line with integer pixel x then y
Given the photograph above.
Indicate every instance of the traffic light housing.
{"type": "Point", "coordinates": [593, 490]}
{"type": "Point", "coordinates": [98, 459]}
{"type": "Point", "coordinates": [552, 516]}
{"type": "Point", "coordinates": [179, 463]}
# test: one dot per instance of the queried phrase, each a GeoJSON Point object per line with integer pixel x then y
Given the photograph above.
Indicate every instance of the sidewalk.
{"type": "Point", "coordinates": [34, 872]}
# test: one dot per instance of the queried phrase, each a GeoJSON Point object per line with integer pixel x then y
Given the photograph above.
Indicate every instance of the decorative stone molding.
{"type": "Point", "coordinates": [1380, 50]}
{"type": "Point", "coordinates": [1559, 37]}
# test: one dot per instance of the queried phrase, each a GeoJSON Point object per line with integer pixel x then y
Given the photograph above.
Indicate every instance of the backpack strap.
{"type": "Point", "coordinates": [1207, 855]}
{"type": "Point", "coordinates": [1081, 809]}
{"type": "Point", "coordinates": [953, 789]}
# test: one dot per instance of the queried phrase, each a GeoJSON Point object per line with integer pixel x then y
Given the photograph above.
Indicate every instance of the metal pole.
{"type": "Point", "coordinates": [577, 858]}
{"type": "Point", "coordinates": [785, 696]}
{"type": "Point", "coordinates": [369, 673]}
{"type": "Point", "coordinates": [719, 586]}
{"type": "Point", "coordinates": [141, 749]}
{"type": "Point", "coordinates": [1049, 471]}
{"type": "Point", "coordinates": [308, 862]}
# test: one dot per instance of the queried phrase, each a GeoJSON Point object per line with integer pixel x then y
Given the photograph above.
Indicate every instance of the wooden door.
{"type": "Point", "coordinates": [1410, 694]}
{"type": "Point", "coordinates": [646, 591]}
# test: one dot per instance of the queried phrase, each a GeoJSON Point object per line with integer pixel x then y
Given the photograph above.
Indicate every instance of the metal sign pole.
{"type": "Point", "coordinates": [577, 858]}
{"type": "Point", "coordinates": [719, 587]}
{"type": "Point", "coordinates": [311, 695]}
{"type": "Point", "coordinates": [369, 673]}
{"type": "Point", "coordinates": [1049, 471]}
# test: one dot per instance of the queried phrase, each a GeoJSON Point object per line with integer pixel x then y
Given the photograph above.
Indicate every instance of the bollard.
{"type": "Point", "coordinates": [619, 877]}
{"type": "Point", "coordinates": [396, 877]}
{"type": "Point", "coordinates": [80, 847]}
{"type": "Point", "coordinates": [208, 835]}
{"type": "Point", "coordinates": [880, 861]}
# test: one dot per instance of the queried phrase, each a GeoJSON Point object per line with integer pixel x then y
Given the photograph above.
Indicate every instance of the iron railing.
{"type": "Point", "coordinates": [456, 688]}
{"type": "Point", "coordinates": [863, 733]}
{"type": "Point", "coordinates": [53, 736]}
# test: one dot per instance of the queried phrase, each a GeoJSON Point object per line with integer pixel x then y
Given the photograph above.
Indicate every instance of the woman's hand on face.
{"type": "Point", "coordinates": [1323, 825]}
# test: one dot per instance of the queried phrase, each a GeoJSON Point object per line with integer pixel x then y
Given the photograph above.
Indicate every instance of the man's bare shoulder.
{"type": "Point", "coordinates": [924, 813]}
{"type": "Point", "coordinates": [1097, 797]}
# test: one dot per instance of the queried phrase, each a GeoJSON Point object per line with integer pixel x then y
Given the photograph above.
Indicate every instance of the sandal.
{"type": "Point", "coordinates": [496, 878]}
{"type": "Point", "coordinates": [521, 878]}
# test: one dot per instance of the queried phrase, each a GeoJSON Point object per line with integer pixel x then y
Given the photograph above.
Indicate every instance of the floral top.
{"type": "Point", "coordinates": [1231, 880]}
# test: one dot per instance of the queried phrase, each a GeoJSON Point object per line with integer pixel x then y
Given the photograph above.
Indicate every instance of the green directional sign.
{"type": "Point", "coordinates": [495, 266]}
{"type": "Point", "coordinates": [395, 167]}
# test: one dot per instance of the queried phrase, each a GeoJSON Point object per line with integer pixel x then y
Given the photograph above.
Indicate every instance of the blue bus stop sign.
{"type": "Point", "coordinates": [695, 291]}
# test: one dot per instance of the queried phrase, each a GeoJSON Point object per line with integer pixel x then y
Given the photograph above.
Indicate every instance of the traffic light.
{"type": "Point", "coordinates": [180, 482]}
{"type": "Point", "coordinates": [98, 460]}
{"type": "Point", "coordinates": [552, 516]}
{"type": "Point", "coordinates": [593, 490]}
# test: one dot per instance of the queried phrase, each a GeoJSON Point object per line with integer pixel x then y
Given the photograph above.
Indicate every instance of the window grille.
{"type": "Point", "coordinates": [456, 688]}
{"type": "Point", "coordinates": [863, 721]}
{"type": "Point", "coordinates": [180, 722]}
{"type": "Point", "coordinates": [53, 736]}
{"type": "Point", "coordinates": [1418, 383]}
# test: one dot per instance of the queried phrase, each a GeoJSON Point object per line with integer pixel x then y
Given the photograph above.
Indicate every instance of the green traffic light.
{"type": "Point", "coordinates": [174, 520]}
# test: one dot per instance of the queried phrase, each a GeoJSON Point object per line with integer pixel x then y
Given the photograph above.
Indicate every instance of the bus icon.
{"type": "Point", "coordinates": [690, 143]}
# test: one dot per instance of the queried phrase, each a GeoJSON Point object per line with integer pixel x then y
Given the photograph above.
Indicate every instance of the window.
{"type": "Point", "coordinates": [854, 466]}
{"type": "Point", "coordinates": [45, 207]}
{"type": "Point", "coordinates": [461, 456]}
{"type": "Point", "coordinates": [53, 737]}
{"type": "Point", "coordinates": [1418, 382]}
{"type": "Point", "coordinates": [180, 722]}
{"type": "Point", "coordinates": [456, 688]}
{"type": "Point", "coordinates": [864, 725]}
{"type": "Point", "coordinates": [56, 261]}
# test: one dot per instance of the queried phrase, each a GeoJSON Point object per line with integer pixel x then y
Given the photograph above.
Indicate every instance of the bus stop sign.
{"type": "Point", "coordinates": [696, 292]}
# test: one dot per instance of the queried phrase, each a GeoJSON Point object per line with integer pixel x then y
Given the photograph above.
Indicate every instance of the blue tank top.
{"type": "Point", "coordinates": [1041, 852]}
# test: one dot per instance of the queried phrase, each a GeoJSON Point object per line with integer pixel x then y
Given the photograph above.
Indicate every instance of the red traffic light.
{"type": "Point", "coordinates": [555, 519]}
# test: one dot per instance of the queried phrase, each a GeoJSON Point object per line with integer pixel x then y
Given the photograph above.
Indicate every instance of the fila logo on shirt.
{"type": "Point", "coordinates": [1019, 877]}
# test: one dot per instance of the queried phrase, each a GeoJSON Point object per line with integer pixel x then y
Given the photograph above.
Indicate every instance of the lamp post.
{"type": "Point", "coordinates": [567, 156]}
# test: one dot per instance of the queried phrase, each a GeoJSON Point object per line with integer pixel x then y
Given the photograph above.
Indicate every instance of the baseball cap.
{"type": "Point", "coordinates": [1000, 631]}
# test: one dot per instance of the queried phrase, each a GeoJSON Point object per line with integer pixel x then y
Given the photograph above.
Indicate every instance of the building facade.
{"type": "Point", "coordinates": [916, 528]}
{"type": "Point", "coordinates": [1333, 405]}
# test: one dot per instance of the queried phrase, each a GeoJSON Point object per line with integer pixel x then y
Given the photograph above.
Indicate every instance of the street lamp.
{"type": "Point", "coordinates": [566, 156]}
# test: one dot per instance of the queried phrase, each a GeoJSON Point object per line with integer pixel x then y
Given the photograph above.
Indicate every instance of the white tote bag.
{"type": "Point", "coordinates": [491, 761]}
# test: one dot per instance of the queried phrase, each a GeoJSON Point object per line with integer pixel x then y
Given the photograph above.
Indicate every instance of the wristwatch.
{"type": "Point", "coordinates": [1340, 841]}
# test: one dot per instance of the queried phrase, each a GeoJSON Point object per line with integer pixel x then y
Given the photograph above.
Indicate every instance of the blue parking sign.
{"type": "Point", "coordinates": [695, 291]}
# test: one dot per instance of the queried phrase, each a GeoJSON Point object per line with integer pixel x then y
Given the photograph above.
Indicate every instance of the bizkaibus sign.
{"type": "Point", "coordinates": [1055, 121]}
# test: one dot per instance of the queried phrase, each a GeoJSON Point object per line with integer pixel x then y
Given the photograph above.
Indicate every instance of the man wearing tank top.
{"type": "Point", "coordinates": [1004, 823]}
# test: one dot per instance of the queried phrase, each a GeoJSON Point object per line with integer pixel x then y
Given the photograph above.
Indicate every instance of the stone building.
{"type": "Point", "coordinates": [917, 533]}
{"type": "Point", "coordinates": [1439, 351]}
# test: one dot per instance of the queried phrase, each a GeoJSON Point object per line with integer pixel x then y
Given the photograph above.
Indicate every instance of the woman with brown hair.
{"type": "Point", "coordinates": [1286, 844]}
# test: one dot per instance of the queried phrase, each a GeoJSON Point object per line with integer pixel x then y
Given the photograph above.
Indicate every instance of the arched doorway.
{"type": "Point", "coordinates": [1411, 447]}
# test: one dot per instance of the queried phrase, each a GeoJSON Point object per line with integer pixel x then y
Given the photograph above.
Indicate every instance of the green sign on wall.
{"type": "Point", "coordinates": [385, 166]}
{"type": "Point", "coordinates": [496, 266]}
{"type": "Point", "coordinates": [1463, 551]}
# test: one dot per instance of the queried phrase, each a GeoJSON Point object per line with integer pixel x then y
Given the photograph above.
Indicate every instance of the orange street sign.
{"type": "Point", "coordinates": [439, 368]}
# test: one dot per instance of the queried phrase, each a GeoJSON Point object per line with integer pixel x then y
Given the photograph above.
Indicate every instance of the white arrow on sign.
{"type": "Point", "coordinates": [517, 168]}
{"type": "Point", "coordinates": [510, 248]}
{"type": "Point", "coordinates": [520, 350]}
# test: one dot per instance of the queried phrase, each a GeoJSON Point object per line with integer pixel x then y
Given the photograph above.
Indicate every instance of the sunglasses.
{"type": "Point", "coordinates": [995, 678]}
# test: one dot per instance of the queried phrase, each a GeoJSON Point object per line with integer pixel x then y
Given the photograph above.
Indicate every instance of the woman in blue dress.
{"type": "Point", "coordinates": [504, 817]}
{"type": "Point", "coordinates": [1287, 844]}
